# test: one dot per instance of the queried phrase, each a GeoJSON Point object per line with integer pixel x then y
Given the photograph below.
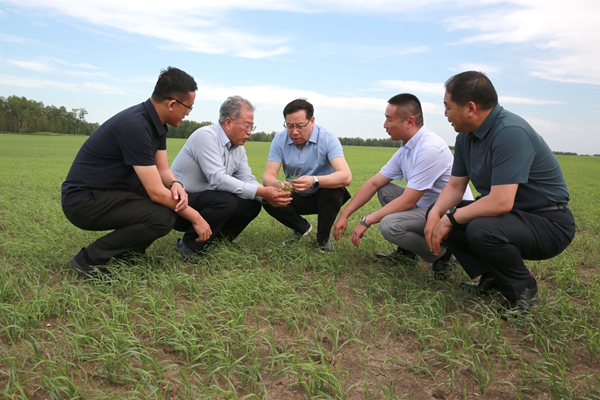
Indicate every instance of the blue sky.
{"type": "Point", "coordinates": [346, 57]}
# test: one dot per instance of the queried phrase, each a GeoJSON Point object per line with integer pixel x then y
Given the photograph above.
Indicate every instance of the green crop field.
{"type": "Point", "coordinates": [256, 320]}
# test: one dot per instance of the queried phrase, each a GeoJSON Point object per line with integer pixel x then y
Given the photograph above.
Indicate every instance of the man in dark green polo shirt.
{"type": "Point", "coordinates": [522, 212]}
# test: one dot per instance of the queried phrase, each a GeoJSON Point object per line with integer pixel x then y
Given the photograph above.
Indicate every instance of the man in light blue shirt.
{"type": "Point", "coordinates": [315, 168]}
{"type": "Point", "coordinates": [424, 161]}
{"type": "Point", "coordinates": [213, 167]}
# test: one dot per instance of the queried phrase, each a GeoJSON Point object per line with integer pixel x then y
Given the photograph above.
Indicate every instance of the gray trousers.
{"type": "Point", "coordinates": [406, 228]}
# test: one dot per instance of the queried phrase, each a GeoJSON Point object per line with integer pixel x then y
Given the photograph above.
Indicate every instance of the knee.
{"type": "Point", "coordinates": [224, 202]}
{"type": "Point", "coordinates": [162, 220]}
{"type": "Point", "coordinates": [390, 228]}
{"type": "Point", "coordinates": [254, 208]}
{"type": "Point", "coordinates": [482, 233]}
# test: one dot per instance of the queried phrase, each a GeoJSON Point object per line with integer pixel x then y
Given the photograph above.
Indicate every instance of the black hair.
{"type": "Point", "coordinates": [472, 86]}
{"type": "Point", "coordinates": [297, 105]}
{"type": "Point", "coordinates": [406, 105]}
{"type": "Point", "coordinates": [173, 83]}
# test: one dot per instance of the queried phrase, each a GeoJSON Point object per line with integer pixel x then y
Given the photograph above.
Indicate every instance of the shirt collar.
{"type": "Point", "coordinates": [160, 128]}
{"type": "Point", "coordinates": [415, 139]}
{"type": "Point", "coordinates": [225, 142]}
{"type": "Point", "coordinates": [488, 123]}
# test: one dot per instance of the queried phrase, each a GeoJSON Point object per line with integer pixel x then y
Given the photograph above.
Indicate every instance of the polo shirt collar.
{"type": "Point", "coordinates": [488, 123]}
{"type": "Point", "coordinates": [160, 128]}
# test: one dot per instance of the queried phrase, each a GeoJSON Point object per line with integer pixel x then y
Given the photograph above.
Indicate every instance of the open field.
{"type": "Point", "coordinates": [259, 321]}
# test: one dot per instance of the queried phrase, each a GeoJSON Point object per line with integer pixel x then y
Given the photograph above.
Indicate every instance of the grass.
{"type": "Point", "coordinates": [260, 321]}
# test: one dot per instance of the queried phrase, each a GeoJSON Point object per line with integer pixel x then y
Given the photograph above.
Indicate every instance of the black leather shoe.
{"type": "Point", "coordinates": [442, 270]}
{"type": "Point", "coordinates": [521, 306]}
{"type": "Point", "coordinates": [486, 286]}
{"type": "Point", "coordinates": [399, 255]}
{"type": "Point", "coordinates": [84, 270]}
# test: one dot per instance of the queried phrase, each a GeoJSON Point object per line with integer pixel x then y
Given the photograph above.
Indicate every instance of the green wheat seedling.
{"type": "Point", "coordinates": [258, 321]}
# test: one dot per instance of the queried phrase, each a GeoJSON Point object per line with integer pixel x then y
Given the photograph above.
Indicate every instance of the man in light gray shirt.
{"type": "Point", "coordinates": [213, 167]}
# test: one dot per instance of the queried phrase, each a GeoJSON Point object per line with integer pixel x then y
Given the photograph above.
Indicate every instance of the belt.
{"type": "Point", "coordinates": [552, 208]}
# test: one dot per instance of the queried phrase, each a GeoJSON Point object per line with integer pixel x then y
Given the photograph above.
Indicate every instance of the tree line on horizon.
{"type": "Point", "coordinates": [187, 127]}
{"type": "Point", "coordinates": [21, 115]}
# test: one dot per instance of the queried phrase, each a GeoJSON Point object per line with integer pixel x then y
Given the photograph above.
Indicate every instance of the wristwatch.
{"type": "Point", "coordinates": [363, 222]}
{"type": "Point", "coordinates": [450, 215]}
{"type": "Point", "coordinates": [315, 182]}
{"type": "Point", "coordinates": [171, 185]}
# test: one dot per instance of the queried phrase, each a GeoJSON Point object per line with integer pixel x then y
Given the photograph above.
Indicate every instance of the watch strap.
{"type": "Point", "coordinates": [363, 222]}
{"type": "Point", "coordinates": [453, 221]}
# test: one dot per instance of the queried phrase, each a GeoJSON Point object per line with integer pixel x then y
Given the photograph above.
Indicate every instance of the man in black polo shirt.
{"type": "Point", "coordinates": [121, 180]}
{"type": "Point", "coordinates": [522, 212]}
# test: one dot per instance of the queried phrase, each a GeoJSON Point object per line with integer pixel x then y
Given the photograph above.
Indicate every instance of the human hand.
{"type": "Point", "coordinates": [436, 230]}
{"type": "Point", "coordinates": [358, 234]}
{"type": "Point", "coordinates": [339, 228]}
{"type": "Point", "coordinates": [277, 197]}
{"type": "Point", "coordinates": [303, 183]}
{"type": "Point", "coordinates": [179, 194]}
{"type": "Point", "coordinates": [202, 229]}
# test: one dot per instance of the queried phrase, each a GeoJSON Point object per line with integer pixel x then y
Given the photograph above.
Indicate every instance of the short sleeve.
{"type": "Point", "coordinates": [512, 156]}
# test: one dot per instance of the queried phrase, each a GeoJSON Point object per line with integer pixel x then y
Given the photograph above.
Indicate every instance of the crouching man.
{"type": "Point", "coordinates": [522, 212]}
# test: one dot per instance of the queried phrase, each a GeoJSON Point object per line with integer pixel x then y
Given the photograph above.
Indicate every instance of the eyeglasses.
{"type": "Point", "coordinates": [183, 104]}
{"type": "Point", "coordinates": [291, 127]}
{"type": "Point", "coordinates": [247, 127]}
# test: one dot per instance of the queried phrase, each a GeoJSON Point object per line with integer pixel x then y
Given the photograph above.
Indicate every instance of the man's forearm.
{"type": "Point", "coordinates": [335, 180]}
{"type": "Point", "coordinates": [269, 180]}
{"type": "Point", "coordinates": [190, 214]}
{"type": "Point", "coordinates": [167, 177]}
{"type": "Point", "coordinates": [364, 194]}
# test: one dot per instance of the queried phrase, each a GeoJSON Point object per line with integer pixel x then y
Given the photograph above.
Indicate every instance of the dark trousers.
{"type": "Point", "coordinates": [137, 222]}
{"type": "Point", "coordinates": [498, 245]}
{"type": "Point", "coordinates": [326, 203]}
{"type": "Point", "coordinates": [226, 213]}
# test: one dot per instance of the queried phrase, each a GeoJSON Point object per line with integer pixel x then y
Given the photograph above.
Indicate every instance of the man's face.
{"type": "Point", "coordinates": [394, 125]}
{"type": "Point", "coordinates": [238, 131]}
{"type": "Point", "coordinates": [299, 128]}
{"type": "Point", "coordinates": [181, 108]}
{"type": "Point", "coordinates": [457, 115]}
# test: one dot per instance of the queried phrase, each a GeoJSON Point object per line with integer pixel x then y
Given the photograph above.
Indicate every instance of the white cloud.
{"type": "Point", "coordinates": [11, 80]}
{"type": "Point", "coordinates": [437, 89]}
{"type": "Point", "coordinates": [271, 95]}
{"type": "Point", "coordinates": [77, 65]}
{"type": "Point", "coordinates": [489, 70]}
{"type": "Point", "coordinates": [198, 26]}
{"type": "Point", "coordinates": [277, 97]}
{"type": "Point", "coordinates": [526, 100]}
{"type": "Point", "coordinates": [15, 39]}
{"type": "Point", "coordinates": [32, 65]}
{"type": "Point", "coordinates": [565, 32]}
{"type": "Point", "coordinates": [18, 81]}
{"type": "Point", "coordinates": [415, 87]}
{"type": "Point", "coordinates": [367, 52]}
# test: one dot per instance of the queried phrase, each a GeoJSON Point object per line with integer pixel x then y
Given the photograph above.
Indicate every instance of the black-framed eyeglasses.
{"type": "Point", "coordinates": [183, 104]}
{"type": "Point", "coordinates": [291, 127]}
